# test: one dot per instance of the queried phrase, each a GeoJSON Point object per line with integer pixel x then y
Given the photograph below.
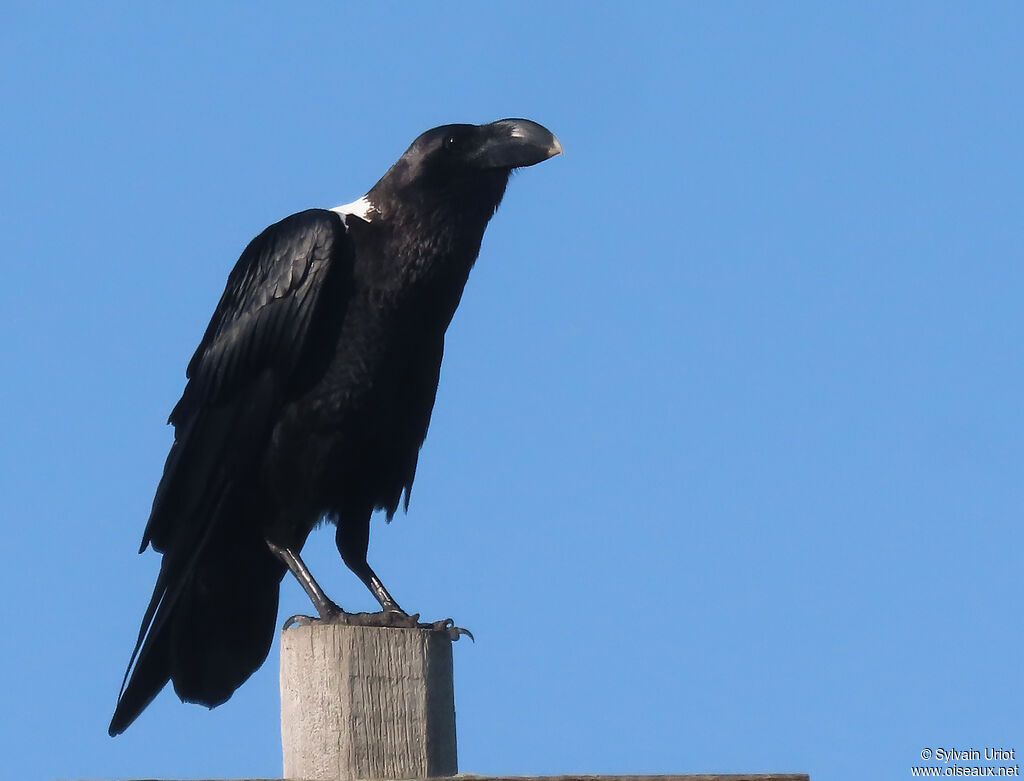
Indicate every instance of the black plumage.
{"type": "Point", "coordinates": [309, 397]}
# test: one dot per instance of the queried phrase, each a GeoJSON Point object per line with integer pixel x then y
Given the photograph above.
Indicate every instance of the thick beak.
{"type": "Point", "coordinates": [515, 143]}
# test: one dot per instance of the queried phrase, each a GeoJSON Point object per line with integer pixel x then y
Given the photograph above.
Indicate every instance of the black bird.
{"type": "Point", "coordinates": [309, 398]}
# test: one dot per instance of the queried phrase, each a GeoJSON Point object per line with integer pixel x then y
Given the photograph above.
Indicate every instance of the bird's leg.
{"type": "Point", "coordinates": [353, 540]}
{"type": "Point", "coordinates": [329, 612]}
{"type": "Point", "coordinates": [325, 607]}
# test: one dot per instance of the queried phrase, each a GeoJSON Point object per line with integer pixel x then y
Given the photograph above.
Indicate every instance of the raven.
{"type": "Point", "coordinates": [308, 399]}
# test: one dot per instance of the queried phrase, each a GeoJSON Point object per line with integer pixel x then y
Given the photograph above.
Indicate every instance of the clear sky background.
{"type": "Point", "coordinates": [725, 471]}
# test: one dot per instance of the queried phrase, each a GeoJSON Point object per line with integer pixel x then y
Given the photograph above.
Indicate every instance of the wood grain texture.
{"type": "Point", "coordinates": [366, 702]}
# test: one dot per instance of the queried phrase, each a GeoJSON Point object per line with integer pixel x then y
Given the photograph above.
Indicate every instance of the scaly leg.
{"type": "Point", "coordinates": [325, 607]}
{"type": "Point", "coordinates": [353, 540]}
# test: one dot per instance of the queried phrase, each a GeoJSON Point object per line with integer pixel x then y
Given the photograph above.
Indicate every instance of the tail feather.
{"type": "Point", "coordinates": [150, 675]}
{"type": "Point", "coordinates": [209, 624]}
{"type": "Point", "coordinates": [226, 622]}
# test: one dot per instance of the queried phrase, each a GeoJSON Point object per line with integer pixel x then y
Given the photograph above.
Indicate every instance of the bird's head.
{"type": "Point", "coordinates": [464, 164]}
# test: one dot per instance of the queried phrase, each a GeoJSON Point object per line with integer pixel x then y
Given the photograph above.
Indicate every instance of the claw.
{"type": "Point", "coordinates": [391, 619]}
{"type": "Point", "coordinates": [447, 626]}
{"type": "Point", "coordinates": [298, 620]}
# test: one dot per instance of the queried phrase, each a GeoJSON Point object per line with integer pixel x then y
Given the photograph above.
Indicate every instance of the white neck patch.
{"type": "Point", "coordinates": [363, 209]}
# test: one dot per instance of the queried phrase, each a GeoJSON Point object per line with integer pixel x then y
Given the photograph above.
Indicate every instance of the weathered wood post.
{"type": "Point", "coordinates": [360, 702]}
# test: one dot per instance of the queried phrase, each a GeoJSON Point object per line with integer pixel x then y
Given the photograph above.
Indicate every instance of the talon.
{"type": "Point", "coordinates": [392, 619]}
{"type": "Point", "coordinates": [447, 626]}
{"type": "Point", "coordinates": [298, 620]}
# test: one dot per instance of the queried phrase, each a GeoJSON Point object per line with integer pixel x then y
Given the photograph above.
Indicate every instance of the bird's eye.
{"type": "Point", "coordinates": [451, 142]}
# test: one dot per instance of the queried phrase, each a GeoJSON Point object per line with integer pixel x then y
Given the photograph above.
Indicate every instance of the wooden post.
{"type": "Point", "coordinates": [362, 702]}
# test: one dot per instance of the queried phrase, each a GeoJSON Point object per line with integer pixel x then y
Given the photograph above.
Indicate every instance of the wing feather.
{"type": "Point", "coordinates": [270, 321]}
{"type": "Point", "coordinates": [278, 317]}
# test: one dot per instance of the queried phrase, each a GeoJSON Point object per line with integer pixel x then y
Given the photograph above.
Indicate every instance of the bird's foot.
{"type": "Point", "coordinates": [447, 626]}
{"type": "Point", "coordinates": [386, 618]}
{"type": "Point", "coordinates": [298, 620]}
{"type": "Point", "coordinates": [335, 615]}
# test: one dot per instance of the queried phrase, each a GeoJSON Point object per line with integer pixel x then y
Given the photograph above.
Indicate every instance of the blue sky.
{"type": "Point", "coordinates": [725, 468]}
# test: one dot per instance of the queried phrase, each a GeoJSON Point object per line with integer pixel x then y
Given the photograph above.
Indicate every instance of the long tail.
{"type": "Point", "coordinates": [209, 624]}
